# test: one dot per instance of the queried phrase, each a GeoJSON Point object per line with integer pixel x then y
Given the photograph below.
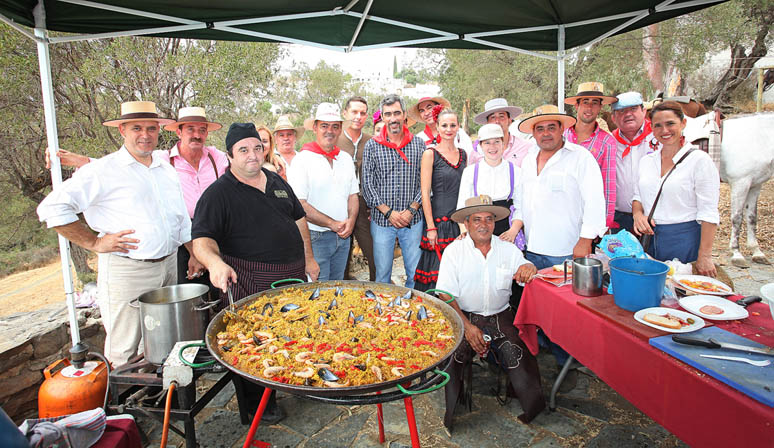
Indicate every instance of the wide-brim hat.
{"type": "Point", "coordinates": [284, 123]}
{"type": "Point", "coordinates": [497, 105]}
{"type": "Point", "coordinates": [324, 112]}
{"type": "Point", "coordinates": [546, 112]}
{"type": "Point", "coordinates": [591, 89]}
{"type": "Point", "coordinates": [138, 111]}
{"type": "Point", "coordinates": [413, 112]}
{"type": "Point", "coordinates": [192, 115]}
{"type": "Point", "coordinates": [478, 204]}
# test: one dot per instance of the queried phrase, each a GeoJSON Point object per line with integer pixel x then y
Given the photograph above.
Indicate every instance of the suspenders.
{"type": "Point", "coordinates": [215, 168]}
{"type": "Point", "coordinates": [475, 179]}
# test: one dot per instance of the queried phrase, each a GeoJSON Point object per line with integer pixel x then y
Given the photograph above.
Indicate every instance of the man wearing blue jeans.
{"type": "Point", "coordinates": [391, 162]}
{"type": "Point", "coordinates": [560, 201]}
{"type": "Point", "coordinates": [323, 178]}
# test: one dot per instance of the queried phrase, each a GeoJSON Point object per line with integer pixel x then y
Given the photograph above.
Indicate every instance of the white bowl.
{"type": "Point", "coordinates": [767, 293]}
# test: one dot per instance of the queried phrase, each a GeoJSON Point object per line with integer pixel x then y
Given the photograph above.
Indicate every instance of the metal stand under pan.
{"type": "Point", "coordinates": [136, 389]}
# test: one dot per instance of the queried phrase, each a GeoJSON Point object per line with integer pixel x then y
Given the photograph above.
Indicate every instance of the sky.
{"type": "Point", "coordinates": [368, 62]}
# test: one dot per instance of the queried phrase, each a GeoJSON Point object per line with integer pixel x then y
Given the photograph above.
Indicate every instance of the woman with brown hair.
{"type": "Point", "coordinates": [440, 174]}
{"type": "Point", "coordinates": [676, 196]}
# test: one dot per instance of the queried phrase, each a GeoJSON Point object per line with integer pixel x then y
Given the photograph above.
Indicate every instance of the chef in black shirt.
{"type": "Point", "coordinates": [249, 230]}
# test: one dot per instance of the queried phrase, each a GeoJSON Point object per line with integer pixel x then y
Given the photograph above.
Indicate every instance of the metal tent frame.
{"type": "Point", "coordinates": [178, 24]}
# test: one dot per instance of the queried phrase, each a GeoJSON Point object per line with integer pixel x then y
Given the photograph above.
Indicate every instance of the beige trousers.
{"type": "Point", "coordinates": [121, 280]}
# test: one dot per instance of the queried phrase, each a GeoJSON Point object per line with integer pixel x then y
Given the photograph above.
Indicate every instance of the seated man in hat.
{"type": "Point", "coordinates": [477, 271]}
{"type": "Point", "coordinates": [121, 197]}
{"type": "Point", "coordinates": [497, 111]}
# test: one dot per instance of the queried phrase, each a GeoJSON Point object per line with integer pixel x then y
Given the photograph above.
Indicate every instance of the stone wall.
{"type": "Point", "coordinates": [30, 342]}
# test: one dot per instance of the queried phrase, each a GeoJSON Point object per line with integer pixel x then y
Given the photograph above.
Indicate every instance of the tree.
{"type": "Point", "coordinates": [92, 78]}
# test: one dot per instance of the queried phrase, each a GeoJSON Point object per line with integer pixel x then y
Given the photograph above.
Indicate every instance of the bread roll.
{"type": "Point", "coordinates": [662, 321]}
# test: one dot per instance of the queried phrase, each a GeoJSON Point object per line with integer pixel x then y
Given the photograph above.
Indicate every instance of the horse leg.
{"type": "Point", "coordinates": [739, 191]}
{"type": "Point", "coordinates": [751, 215]}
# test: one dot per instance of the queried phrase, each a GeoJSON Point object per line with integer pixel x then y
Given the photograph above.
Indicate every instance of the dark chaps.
{"type": "Point", "coordinates": [512, 355]}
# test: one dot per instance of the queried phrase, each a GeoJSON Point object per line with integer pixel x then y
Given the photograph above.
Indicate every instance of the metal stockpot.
{"type": "Point", "coordinates": [586, 276]}
{"type": "Point", "coordinates": [172, 314]}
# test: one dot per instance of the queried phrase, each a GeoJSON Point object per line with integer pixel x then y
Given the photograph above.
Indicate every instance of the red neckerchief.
{"type": "Point", "coordinates": [635, 142]}
{"type": "Point", "coordinates": [317, 149]}
{"type": "Point", "coordinates": [407, 137]}
{"type": "Point", "coordinates": [431, 140]}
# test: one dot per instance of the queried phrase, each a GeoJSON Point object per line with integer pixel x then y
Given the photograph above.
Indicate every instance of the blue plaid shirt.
{"type": "Point", "coordinates": [388, 179]}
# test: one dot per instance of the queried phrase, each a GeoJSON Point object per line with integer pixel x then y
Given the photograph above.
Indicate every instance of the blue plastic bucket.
{"type": "Point", "coordinates": [637, 282]}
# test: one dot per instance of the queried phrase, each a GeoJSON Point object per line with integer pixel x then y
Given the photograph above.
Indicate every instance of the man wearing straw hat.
{"type": "Point", "coordinates": [286, 135]}
{"type": "Point", "coordinates": [477, 271]}
{"type": "Point", "coordinates": [587, 133]}
{"type": "Point", "coordinates": [197, 166]}
{"type": "Point", "coordinates": [561, 203]}
{"type": "Point", "coordinates": [497, 111]}
{"type": "Point", "coordinates": [323, 178]}
{"type": "Point", "coordinates": [134, 202]}
{"type": "Point", "coordinates": [422, 112]}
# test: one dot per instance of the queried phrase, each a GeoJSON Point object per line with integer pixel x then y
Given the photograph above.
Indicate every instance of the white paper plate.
{"type": "Point", "coordinates": [731, 310]}
{"type": "Point", "coordinates": [699, 322]}
{"type": "Point", "coordinates": [678, 280]}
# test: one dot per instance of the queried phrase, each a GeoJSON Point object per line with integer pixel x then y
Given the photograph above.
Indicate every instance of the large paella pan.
{"type": "Point", "coordinates": [324, 326]}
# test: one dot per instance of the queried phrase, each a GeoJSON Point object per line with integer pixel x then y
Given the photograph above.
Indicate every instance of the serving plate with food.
{"type": "Point", "coordinates": [701, 284]}
{"type": "Point", "coordinates": [713, 307]}
{"type": "Point", "coordinates": [556, 271]}
{"type": "Point", "coordinates": [669, 320]}
{"type": "Point", "coordinates": [335, 338]}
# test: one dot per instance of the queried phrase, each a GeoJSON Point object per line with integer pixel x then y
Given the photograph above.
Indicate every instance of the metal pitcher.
{"type": "Point", "coordinates": [586, 276]}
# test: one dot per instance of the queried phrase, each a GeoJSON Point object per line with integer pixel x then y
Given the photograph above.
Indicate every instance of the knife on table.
{"type": "Point", "coordinates": [744, 301]}
{"type": "Point", "coordinates": [712, 343]}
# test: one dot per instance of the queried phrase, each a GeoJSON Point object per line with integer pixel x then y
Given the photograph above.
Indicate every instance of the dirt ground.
{"type": "Point", "coordinates": [43, 287]}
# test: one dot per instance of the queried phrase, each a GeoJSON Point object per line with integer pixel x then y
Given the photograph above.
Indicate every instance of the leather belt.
{"type": "Point", "coordinates": [152, 260]}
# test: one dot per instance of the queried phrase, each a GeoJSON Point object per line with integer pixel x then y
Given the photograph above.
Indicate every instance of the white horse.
{"type": "Point", "coordinates": [746, 163]}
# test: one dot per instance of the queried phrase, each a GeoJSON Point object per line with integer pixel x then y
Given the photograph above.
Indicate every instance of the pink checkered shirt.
{"type": "Point", "coordinates": [601, 144]}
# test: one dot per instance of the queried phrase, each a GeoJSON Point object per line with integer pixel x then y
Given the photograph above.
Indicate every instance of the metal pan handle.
{"type": "Point", "coordinates": [429, 389]}
{"type": "Point", "coordinates": [286, 280]}
{"type": "Point", "coordinates": [134, 303]}
{"type": "Point", "coordinates": [444, 292]}
{"type": "Point", "coordinates": [206, 305]}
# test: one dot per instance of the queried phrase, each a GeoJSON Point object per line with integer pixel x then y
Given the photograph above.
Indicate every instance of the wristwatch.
{"type": "Point", "coordinates": [413, 211]}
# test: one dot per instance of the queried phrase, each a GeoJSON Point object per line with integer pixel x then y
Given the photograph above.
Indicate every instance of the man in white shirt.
{"type": "Point", "coordinates": [323, 178]}
{"type": "Point", "coordinates": [477, 271]}
{"type": "Point", "coordinates": [561, 203]}
{"type": "Point", "coordinates": [634, 140]}
{"type": "Point", "coordinates": [134, 201]}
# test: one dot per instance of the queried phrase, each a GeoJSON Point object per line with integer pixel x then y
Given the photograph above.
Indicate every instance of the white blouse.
{"type": "Point", "coordinates": [494, 182]}
{"type": "Point", "coordinates": [690, 194]}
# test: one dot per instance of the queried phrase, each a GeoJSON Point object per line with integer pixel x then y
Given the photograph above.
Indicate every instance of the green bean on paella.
{"type": "Point", "coordinates": [335, 337]}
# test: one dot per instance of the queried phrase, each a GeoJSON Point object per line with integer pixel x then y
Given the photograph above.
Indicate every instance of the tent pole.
{"type": "Point", "coordinates": [560, 72]}
{"type": "Point", "coordinates": [44, 61]}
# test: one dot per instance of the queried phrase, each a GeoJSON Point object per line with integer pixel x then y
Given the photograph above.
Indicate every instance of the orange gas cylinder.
{"type": "Point", "coordinates": [67, 390]}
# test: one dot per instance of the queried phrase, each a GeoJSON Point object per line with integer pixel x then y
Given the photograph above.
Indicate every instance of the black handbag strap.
{"type": "Point", "coordinates": [658, 195]}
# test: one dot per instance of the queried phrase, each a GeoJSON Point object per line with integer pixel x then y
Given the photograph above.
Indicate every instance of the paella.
{"type": "Point", "coordinates": [337, 337]}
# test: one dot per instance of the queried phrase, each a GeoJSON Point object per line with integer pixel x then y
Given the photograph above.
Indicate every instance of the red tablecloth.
{"type": "Point", "coordinates": [695, 407]}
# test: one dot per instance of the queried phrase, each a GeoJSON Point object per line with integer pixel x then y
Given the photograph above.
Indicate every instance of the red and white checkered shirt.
{"type": "Point", "coordinates": [601, 144]}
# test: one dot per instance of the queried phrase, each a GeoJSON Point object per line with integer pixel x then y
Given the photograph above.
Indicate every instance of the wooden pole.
{"type": "Point", "coordinates": [759, 102]}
